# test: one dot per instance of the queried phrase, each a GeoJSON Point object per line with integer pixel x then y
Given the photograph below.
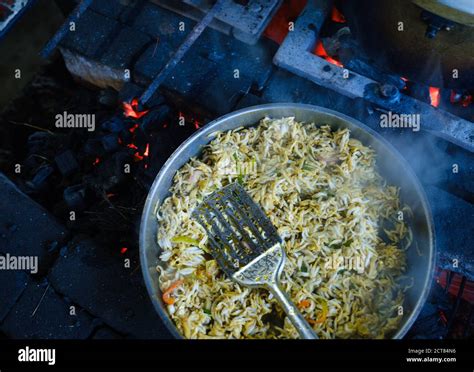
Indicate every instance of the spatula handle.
{"type": "Point", "coordinates": [304, 329]}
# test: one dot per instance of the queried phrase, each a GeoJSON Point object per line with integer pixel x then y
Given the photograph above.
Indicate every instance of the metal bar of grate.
{"type": "Point", "coordinates": [449, 278]}
{"type": "Point", "coordinates": [64, 29]}
{"type": "Point", "coordinates": [179, 54]}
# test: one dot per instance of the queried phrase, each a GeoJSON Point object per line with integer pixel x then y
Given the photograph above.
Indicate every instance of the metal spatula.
{"type": "Point", "coordinates": [247, 246]}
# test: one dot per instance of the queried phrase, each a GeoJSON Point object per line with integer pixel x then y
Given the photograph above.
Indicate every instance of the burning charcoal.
{"type": "Point", "coordinates": [134, 109]}
{"type": "Point", "coordinates": [67, 163]}
{"type": "Point", "coordinates": [110, 142]}
{"type": "Point", "coordinates": [40, 180]}
{"type": "Point", "coordinates": [110, 172]}
{"type": "Point", "coordinates": [114, 125]}
{"type": "Point", "coordinates": [74, 196]}
{"type": "Point", "coordinates": [155, 118]}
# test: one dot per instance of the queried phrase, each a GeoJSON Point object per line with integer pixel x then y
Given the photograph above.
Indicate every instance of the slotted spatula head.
{"type": "Point", "coordinates": [243, 240]}
{"type": "Point", "coordinates": [247, 246]}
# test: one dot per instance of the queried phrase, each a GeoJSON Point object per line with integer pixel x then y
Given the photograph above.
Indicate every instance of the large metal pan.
{"type": "Point", "coordinates": [390, 165]}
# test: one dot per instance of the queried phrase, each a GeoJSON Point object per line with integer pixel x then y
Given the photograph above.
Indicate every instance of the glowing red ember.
{"type": "Point", "coordinates": [434, 96]}
{"type": "Point", "coordinates": [133, 129]}
{"type": "Point", "coordinates": [280, 24]}
{"type": "Point", "coordinates": [321, 52]}
{"type": "Point", "coordinates": [131, 110]}
{"type": "Point", "coordinates": [137, 156]}
{"type": "Point", "coordinates": [337, 16]}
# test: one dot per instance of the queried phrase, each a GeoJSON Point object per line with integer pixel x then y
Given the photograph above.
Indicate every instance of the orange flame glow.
{"type": "Point", "coordinates": [321, 52]}
{"type": "Point", "coordinates": [337, 16]}
{"type": "Point", "coordinates": [130, 110]}
{"type": "Point", "coordinates": [434, 96]}
{"type": "Point", "coordinates": [133, 129]}
{"type": "Point", "coordinates": [147, 150]}
{"type": "Point", "coordinates": [137, 156]}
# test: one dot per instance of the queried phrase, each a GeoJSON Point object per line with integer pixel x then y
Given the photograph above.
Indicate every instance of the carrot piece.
{"type": "Point", "coordinates": [303, 304]}
{"type": "Point", "coordinates": [167, 294]}
{"type": "Point", "coordinates": [322, 316]}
